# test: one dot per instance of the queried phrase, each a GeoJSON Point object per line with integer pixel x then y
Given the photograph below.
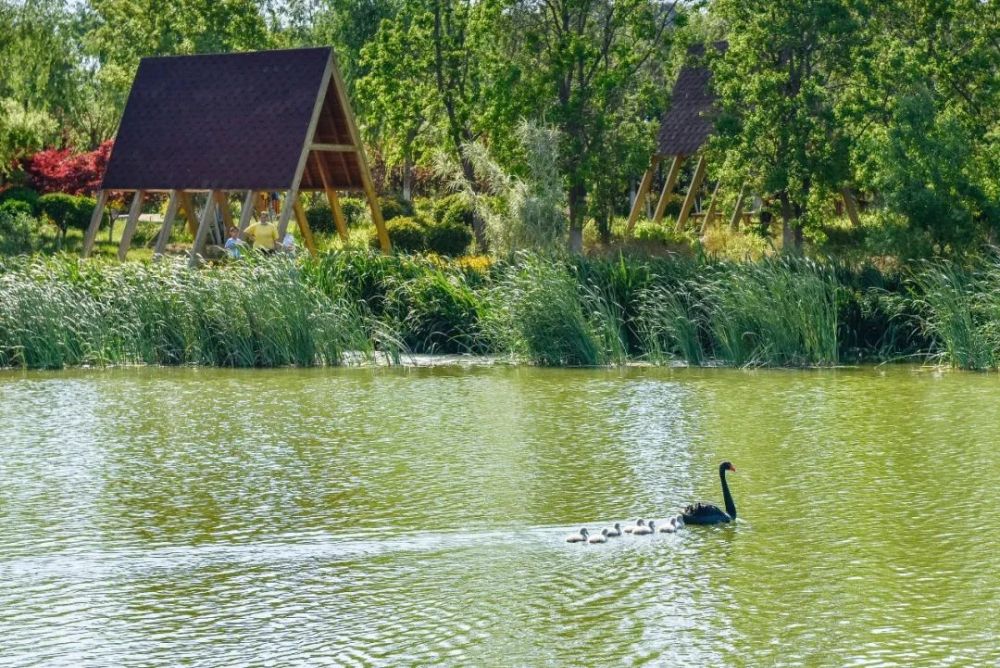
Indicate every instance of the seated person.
{"type": "Point", "coordinates": [233, 243]}
{"type": "Point", "coordinates": [264, 235]}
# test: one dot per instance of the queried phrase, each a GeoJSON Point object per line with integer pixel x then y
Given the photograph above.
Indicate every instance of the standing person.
{"type": "Point", "coordinates": [264, 235]}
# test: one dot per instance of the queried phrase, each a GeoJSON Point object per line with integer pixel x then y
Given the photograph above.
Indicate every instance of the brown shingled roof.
{"type": "Point", "coordinates": [234, 121]}
{"type": "Point", "coordinates": [688, 122]}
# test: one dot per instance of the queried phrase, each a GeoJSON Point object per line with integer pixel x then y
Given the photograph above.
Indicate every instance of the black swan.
{"type": "Point", "coordinates": [708, 513]}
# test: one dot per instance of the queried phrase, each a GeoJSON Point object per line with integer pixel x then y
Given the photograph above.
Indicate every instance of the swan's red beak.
{"type": "Point", "coordinates": [732, 468]}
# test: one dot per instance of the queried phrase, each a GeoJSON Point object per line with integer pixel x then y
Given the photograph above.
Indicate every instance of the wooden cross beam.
{"type": "Point", "coordinates": [307, 236]}
{"type": "Point", "coordinates": [247, 210]}
{"type": "Point", "coordinates": [168, 224]}
{"type": "Point", "coordinates": [95, 222]}
{"type": "Point", "coordinates": [710, 213]}
{"type": "Point", "coordinates": [133, 220]}
{"type": "Point", "coordinates": [207, 218]}
{"type": "Point", "coordinates": [692, 194]}
{"type": "Point", "coordinates": [668, 187]}
{"type": "Point", "coordinates": [734, 221]}
{"type": "Point", "coordinates": [640, 197]}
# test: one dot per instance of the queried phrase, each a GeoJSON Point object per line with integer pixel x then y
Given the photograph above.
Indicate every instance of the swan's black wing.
{"type": "Point", "coordinates": [705, 513]}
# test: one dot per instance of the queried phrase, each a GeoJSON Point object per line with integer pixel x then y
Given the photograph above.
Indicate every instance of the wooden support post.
{"type": "Point", "coordinates": [222, 201]}
{"type": "Point", "coordinates": [95, 222]}
{"type": "Point", "coordinates": [710, 213]}
{"type": "Point", "coordinates": [640, 197]}
{"type": "Point", "coordinates": [331, 197]}
{"type": "Point", "coordinates": [692, 193]}
{"type": "Point", "coordinates": [307, 235]}
{"type": "Point", "coordinates": [668, 187]}
{"type": "Point", "coordinates": [366, 177]}
{"type": "Point", "coordinates": [851, 205]}
{"type": "Point", "coordinates": [133, 220]}
{"type": "Point", "coordinates": [207, 218]}
{"type": "Point", "coordinates": [187, 204]}
{"type": "Point", "coordinates": [246, 211]}
{"type": "Point", "coordinates": [286, 213]}
{"type": "Point", "coordinates": [338, 215]}
{"type": "Point", "coordinates": [734, 221]}
{"type": "Point", "coordinates": [168, 224]}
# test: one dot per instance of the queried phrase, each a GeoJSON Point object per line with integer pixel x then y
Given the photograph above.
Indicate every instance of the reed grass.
{"type": "Point", "coordinates": [542, 310]}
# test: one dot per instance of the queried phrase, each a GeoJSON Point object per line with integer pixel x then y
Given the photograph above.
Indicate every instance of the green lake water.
{"type": "Point", "coordinates": [416, 517]}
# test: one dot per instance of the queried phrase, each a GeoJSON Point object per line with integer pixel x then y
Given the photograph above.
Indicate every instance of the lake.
{"type": "Point", "coordinates": [416, 516]}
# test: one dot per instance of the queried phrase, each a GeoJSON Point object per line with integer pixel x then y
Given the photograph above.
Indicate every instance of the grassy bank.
{"type": "Point", "coordinates": [567, 312]}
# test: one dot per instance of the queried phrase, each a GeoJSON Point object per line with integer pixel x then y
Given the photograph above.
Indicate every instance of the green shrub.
{"type": "Point", "coordinates": [21, 194]}
{"type": "Point", "coordinates": [354, 209]}
{"type": "Point", "coordinates": [320, 218]}
{"type": "Point", "coordinates": [66, 211]}
{"type": "Point", "coordinates": [453, 209]}
{"type": "Point", "coordinates": [16, 207]}
{"type": "Point", "coordinates": [394, 208]}
{"type": "Point", "coordinates": [406, 235]}
{"type": "Point", "coordinates": [649, 232]}
{"type": "Point", "coordinates": [448, 238]}
{"type": "Point", "coordinates": [18, 229]}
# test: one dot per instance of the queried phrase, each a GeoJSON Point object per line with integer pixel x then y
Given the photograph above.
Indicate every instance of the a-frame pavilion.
{"type": "Point", "coordinates": [246, 123]}
{"type": "Point", "coordinates": [684, 131]}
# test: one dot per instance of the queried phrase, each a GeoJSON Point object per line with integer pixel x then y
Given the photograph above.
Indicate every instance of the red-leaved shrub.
{"type": "Point", "coordinates": [63, 171]}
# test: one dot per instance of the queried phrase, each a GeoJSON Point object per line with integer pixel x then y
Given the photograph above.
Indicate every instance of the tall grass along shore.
{"type": "Point", "coordinates": [551, 311]}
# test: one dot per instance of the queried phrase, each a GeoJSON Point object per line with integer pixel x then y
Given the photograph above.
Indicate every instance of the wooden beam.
{"type": "Point", "coordinates": [187, 204]}
{"type": "Point", "coordinates": [207, 218]}
{"type": "Point", "coordinates": [668, 187]}
{"type": "Point", "coordinates": [366, 177]}
{"type": "Point", "coordinates": [640, 197]}
{"type": "Point", "coordinates": [338, 215]}
{"type": "Point", "coordinates": [95, 222]}
{"type": "Point", "coordinates": [222, 201]}
{"type": "Point", "coordinates": [247, 211]}
{"type": "Point", "coordinates": [133, 220]}
{"type": "Point", "coordinates": [710, 213]}
{"type": "Point", "coordinates": [692, 194]}
{"type": "Point", "coordinates": [851, 205]}
{"type": "Point", "coordinates": [734, 221]}
{"type": "Point", "coordinates": [293, 190]}
{"type": "Point", "coordinates": [331, 197]}
{"type": "Point", "coordinates": [340, 148]}
{"type": "Point", "coordinates": [307, 235]}
{"type": "Point", "coordinates": [286, 213]}
{"type": "Point", "coordinates": [168, 224]}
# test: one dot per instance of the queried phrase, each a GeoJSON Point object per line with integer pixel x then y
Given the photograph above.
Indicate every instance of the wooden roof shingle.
{"type": "Point", "coordinates": [688, 122]}
{"type": "Point", "coordinates": [236, 121]}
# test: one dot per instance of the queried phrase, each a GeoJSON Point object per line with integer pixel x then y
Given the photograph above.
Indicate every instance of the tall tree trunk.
{"type": "Point", "coordinates": [787, 222]}
{"type": "Point", "coordinates": [478, 224]}
{"type": "Point", "coordinates": [577, 203]}
{"type": "Point", "coordinates": [407, 179]}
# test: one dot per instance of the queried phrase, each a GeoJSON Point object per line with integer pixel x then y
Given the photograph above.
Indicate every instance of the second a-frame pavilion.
{"type": "Point", "coordinates": [243, 123]}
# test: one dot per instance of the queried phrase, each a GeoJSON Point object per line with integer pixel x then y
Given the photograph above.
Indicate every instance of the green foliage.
{"type": "Point", "coordinates": [320, 218]}
{"type": "Point", "coordinates": [394, 208]}
{"type": "Point", "coordinates": [21, 194]}
{"type": "Point", "coordinates": [66, 211]}
{"type": "Point", "coordinates": [18, 229]}
{"type": "Point", "coordinates": [406, 234]}
{"type": "Point", "coordinates": [658, 233]}
{"type": "Point", "coordinates": [536, 311]}
{"type": "Point", "coordinates": [53, 315]}
{"type": "Point", "coordinates": [448, 238]}
{"type": "Point", "coordinates": [355, 209]}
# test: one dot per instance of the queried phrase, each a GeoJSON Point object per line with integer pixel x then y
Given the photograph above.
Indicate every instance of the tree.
{"type": "Point", "coordinates": [63, 171]}
{"type": "Point", "coordinates": [584, 60]}
{"type": "Point", "coordinates": [778, 86]}
{"type": "Point", "coordinates": [398, 91]}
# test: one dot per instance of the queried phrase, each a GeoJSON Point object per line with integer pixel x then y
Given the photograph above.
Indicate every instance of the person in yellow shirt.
{"type": "Point", "coordinates": [264, 235]}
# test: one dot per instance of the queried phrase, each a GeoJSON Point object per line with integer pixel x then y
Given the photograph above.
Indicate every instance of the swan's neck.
{"type": "Point", "coordinates": [726, 496]}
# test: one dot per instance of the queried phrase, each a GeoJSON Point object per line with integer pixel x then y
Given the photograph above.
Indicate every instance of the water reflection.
{"type": "Point", "coordinates": [365, 517]}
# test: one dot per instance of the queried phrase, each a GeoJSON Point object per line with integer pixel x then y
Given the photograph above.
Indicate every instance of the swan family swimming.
{"type": "Point", "coordinates": [695, 513]}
